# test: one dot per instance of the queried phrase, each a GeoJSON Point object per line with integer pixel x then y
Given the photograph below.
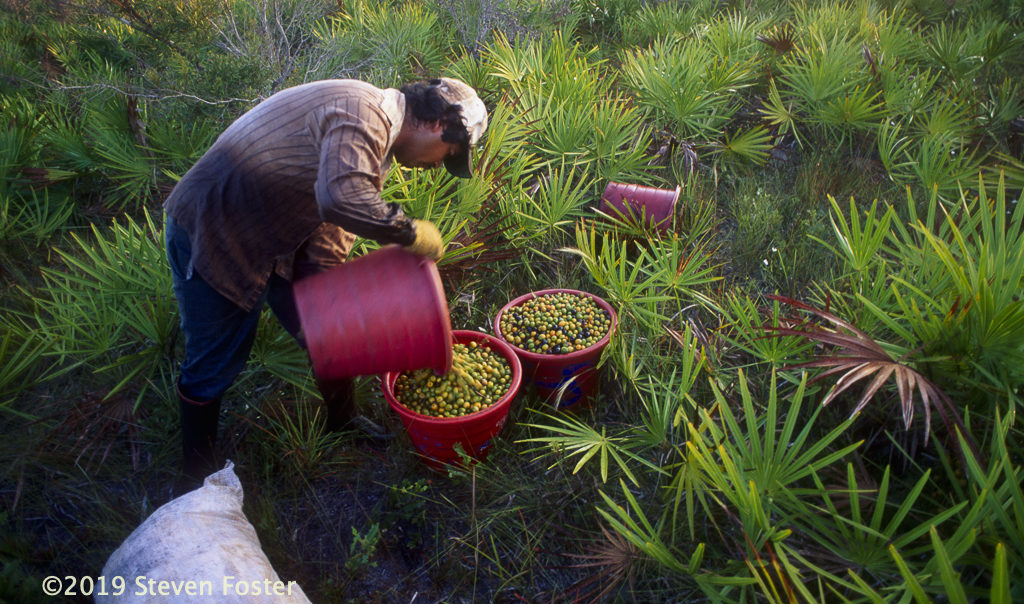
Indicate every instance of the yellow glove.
{"type": "Point", "coordinates": [428, 240]}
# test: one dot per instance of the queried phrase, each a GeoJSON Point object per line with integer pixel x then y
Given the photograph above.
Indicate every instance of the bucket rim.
{"type": "Point", "coordinates": [440, 303]}
{"type": "Point", "coordinates": [568, 357]}
{"type": "Point", "coordinates": [460, 336]}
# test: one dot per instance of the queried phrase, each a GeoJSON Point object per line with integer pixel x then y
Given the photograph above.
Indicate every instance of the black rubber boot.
{"type": "Point", "coordinates": [198, 437]}
{"type": "Point", "coordinates": [339, 403]}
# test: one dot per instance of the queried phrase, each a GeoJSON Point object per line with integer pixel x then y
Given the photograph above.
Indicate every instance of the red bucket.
{"type": "Point", "coordinates": [570, 380]}
{"type": "Point", "coordinates": [383, 311]}
{"type": "Point", "coordinates": [630, 203]}
{"type": "Point", "coordinates": [435, 438]}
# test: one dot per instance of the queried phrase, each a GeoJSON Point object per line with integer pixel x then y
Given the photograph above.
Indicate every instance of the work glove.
{"type": "Point", "coordinates": [428, 240]}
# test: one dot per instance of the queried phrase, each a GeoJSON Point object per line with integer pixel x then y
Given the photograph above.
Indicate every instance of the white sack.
{"type": "Point", "coordinates": [197, 548]}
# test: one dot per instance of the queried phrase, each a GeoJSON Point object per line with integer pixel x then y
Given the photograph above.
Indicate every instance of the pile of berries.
{"type": "Point", "coordinates": [479, 378]}
{"type": "Point", "coordinates": [555, 323]}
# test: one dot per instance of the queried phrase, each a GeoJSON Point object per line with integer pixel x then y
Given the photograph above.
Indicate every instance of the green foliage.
{"type": "Point", "coordinates": [666, 400]}
{"type": "Point", "coordinates": [25, 212]}
{"type": "Point", "coordinates": [557, 204]}
{"type": "Point", "coordinates": [954, 50]}
{"type": "Point", "coordinates": [656, 20]}
{"type": "Point", "coordinates": [564, 99]}
{"type": "Point", "coordinates": [605, 19]}
{"type": "Point", "coordinates": [749, 465]}
{"type": "Point", "coordinates": [685, 266]}
{"type": "Point", "coordinates": [390, 43]}
{"type": "Point", "coordinates": [745, 470]}
{"type": "Point", "coordinates": [759, 217]}
{"type": "Point", "coordinates": [872, 523]}
{"type": "Point", "coordinates": [634, 525]}
{"type": "Point", "coordinates": [276, 352]}
{"type": "Point", "coordinates": [1004, 103]}
{"type": "Point", "coordinates": [751, 145]}
{"type": "Point", "coordinates": [995, 483]}
{"type": "Point", "coordinates": [361, 551]}
{"type": "Point", "coordinates": [20, 354]}
{"type": "Point", "coordinates": [747, 322]}
{"type": "Point", "coordinates": [952, 301]}
{"type": "Point", "coordinates": [735, 488]}
{"type": "Point", "coordinates": [826, 78]}
{"type": "Point", "coordinates": [557, 68]}
{"type": "Point", "coordinates": [634, 291]}
{"type": "Point", "coordinates": [573, 437]}
{"type": "Point", "coordinates": [111, 308]}
{"type": "Point", "coordinates": [686, 87]}
{"type": "Point", "coordinates": [298, 441]}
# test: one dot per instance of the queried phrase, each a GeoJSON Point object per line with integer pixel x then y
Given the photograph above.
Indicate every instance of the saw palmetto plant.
{"type": "Point", "coordinates": [707, 467]}
{"type": "Point", "coordinates": [745, 319]}
{"type": "Point", "coordinates": [552, 208]}
{"type": "Point", "coordinates": [571, 438]}
{"type": "Point", "coordinates": [630, 285]}
{"type": "Point", "coordinates": [657, 20]}
{"type": "Point", "coordinates": [944, 288]}
{"type": "Point", "coordinates": [21, 353]}
{"type": "Point", "coordinates": [685, 87]}
{"type": "Point", "coordinates": [112, 309]}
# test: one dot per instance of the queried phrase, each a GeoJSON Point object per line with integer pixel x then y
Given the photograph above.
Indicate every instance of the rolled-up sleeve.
{"type": "Point", "coordinates": [349, 180]}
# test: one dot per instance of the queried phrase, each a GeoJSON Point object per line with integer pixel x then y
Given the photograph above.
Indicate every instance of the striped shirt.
{"type": "Point", "coordinates": [289, 185]}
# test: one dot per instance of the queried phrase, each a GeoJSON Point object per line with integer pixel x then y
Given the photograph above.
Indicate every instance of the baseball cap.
{"type": "Point", "coordinates": [474, 118]}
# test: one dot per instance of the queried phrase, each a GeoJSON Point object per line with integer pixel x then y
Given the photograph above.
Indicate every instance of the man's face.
{"type": "Point", "coordinates": [423, 148]}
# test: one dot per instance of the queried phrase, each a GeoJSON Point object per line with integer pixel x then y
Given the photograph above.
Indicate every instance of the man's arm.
{"type": "Point", "coordinates": [349, 182]}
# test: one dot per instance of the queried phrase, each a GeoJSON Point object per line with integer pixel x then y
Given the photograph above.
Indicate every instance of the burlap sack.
{"type": "Point", "coordinates": [198, 548]}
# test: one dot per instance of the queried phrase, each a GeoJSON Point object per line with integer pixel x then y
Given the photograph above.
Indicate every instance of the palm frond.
{"type": "Point", "coordinates": [750, 145]}
{"type": "Point", "coordinates": [573, 437]}
{"type": "Point", "coordinates": [481, 245]}
{"type": "Point", "coordinates": [781, 39]}
{"type": "Point", "coordinates": [782, 115]}
{"type": "Point", "coordinates": [613, 559]}
{"type": "Point", "coordinates": [861, 357]}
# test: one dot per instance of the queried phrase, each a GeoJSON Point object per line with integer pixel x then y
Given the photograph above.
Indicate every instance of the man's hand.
{"type": "Point", "coordinates": [428, 240]}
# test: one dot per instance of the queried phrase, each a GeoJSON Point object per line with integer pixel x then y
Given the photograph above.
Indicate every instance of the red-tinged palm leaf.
{"type": "Point", "coordinates": [614, 559]}
{"type": "Point", "coordinates": [480, 247]}
{"type": "Point", "coordinates": [781, 39]}
{"type": "Point", "coordinates": [857, 356]}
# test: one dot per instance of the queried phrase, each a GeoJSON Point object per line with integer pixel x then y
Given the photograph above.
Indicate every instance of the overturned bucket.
{"type": "Point", "coordinates": [637, 204]}
{"type": "Point", "coordinates": [567, 381]}
{"type": "Point", "coordinates": [436, 438]}
{"type": "Point", "coordinates": [383, 311]}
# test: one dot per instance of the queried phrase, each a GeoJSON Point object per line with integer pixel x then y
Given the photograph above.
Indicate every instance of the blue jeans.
{"type": "Point", "coordinates": [218, 333]}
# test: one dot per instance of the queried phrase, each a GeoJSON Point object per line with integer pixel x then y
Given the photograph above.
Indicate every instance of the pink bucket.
{"type": "Point", "coordinates": [570, 380]}
{"type": "Point", "coordinates": [631, 203]}
{"type": "Point", "coordinates": [383, 311]}
{"type": "Point", "coordinates": [435, 438]}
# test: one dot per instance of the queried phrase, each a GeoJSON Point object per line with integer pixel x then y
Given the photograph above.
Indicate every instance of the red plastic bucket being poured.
{"type": "Point", "coordinates": [435, 438]}
{"type": "Point", "coordinates": [568, 381]}
{"type": "Point", "coordinates": [383, 311]}
{"type": "Point", "coordinates": [633, 203]}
